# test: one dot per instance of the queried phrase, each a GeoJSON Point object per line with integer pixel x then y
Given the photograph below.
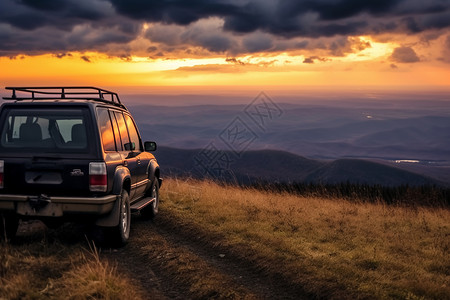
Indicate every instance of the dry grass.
{"type": "Point", "coordinates": [334, 248]}
{"type": "Point", "coordinates": [93, 279]}
{"type": "Point", "coordinates": [53, 270]}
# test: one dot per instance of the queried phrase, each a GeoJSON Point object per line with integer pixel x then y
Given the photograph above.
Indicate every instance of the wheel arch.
{"type": "Point", "coordinates": [122, 181]}
{"type": "Point", "coordinates": [153, 170]}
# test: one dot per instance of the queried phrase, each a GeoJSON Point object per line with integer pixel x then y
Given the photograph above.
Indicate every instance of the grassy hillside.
{"type": "Point", "coordinates": [322, 247]}
{"type": "Point", "coordinates": [330, 247]}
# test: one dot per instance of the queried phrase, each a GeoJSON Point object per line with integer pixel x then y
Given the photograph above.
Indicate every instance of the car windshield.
{"type": "Point", "coordinates": [44, 130]}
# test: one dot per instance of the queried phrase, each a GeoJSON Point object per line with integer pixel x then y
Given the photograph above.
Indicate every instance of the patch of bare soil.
{"type": "Point", "coordinates": [171, 262]}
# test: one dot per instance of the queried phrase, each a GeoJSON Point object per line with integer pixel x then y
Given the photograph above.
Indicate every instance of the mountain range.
{"type": "Point", "coordinates": [318, 140]}
{"type": "Point", "coordinates": [317, 131]}
{"type": "Point", "coordinates": [281, 166]}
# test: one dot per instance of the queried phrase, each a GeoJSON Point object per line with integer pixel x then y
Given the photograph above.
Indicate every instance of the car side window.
{"type": "Point", "coordinates": [122, 130]}
{"type": "Point", "coordinates": [106, 129]}
{"type": "Point", "coordinates": [116, 132]}
{"type": "Point", "coordinates": [134, 136]}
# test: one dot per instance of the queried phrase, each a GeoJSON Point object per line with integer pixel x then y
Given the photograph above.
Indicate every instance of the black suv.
{"type": "Point", "coordinates": [74, 154]}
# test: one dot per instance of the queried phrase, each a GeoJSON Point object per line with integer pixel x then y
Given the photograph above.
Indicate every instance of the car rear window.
{"type": "Point", "coordinates": [45, 130]}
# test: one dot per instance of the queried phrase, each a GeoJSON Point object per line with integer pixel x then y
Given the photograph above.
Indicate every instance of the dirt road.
{"type": "Point", "coordinates": [168, 261]}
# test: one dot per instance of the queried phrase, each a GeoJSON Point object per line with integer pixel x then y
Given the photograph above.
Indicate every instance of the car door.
{"type": "Point", "coordinates": [142, 159]}
{"type": "Point", "coordinates": [129, 158]}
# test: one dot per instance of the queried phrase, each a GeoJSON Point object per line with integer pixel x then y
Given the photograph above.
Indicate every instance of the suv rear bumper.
{"type": "Point", "coordinates": [56, 206]}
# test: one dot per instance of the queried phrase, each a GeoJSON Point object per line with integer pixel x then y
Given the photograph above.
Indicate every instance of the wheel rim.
{"type": "Point", "coordinates": [155, 195]}
{"type": "Point", "coordinates": [124, 217]}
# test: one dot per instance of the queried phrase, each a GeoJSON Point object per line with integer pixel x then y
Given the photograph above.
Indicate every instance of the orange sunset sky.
{"type": "Point", "coordinates": [222, 45]}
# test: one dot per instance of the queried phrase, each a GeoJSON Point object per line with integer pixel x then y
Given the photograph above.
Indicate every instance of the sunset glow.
{"type": "Point", "coordinates": [125, 47]}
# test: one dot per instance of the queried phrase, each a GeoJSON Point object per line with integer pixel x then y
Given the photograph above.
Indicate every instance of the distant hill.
{"type": "Point", "coordinates": [251, 165]}
{"type": "Point", "coordinates": [408, 134]}
{"type": "Point", "coordinates": [366, 172]}
{"type": "Point", "coordinates": [396, 130]}
{"type": "Point", "coordinates": [281, 166]}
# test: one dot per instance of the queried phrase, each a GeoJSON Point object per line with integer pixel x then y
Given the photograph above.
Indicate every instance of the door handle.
{"type": "Point", "coordinates": [139, 161]}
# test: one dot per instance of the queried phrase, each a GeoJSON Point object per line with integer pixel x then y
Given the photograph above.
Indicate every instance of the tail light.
{"type": "Point", "coordinates": [98, 181]}
{"type": "Point", "coordinates": [2, 170]}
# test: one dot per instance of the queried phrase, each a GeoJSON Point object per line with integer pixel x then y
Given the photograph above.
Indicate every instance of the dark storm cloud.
{"type": "Point", "coordinates": [335, 10]}
{"type": "Point", "coordinates": [215, 43]}
{"type": "Point", "coordinates": [257, 43]}
{"type": "Point", "coordinates": [293, 17]}
{"type": "Point", "coordinates": [34, 27]}
{"type": "Point", "coordinates": [180, 12]}
{"type": "Point", "coordinates": [30, 15]}
{"type": "Point", "coordinates": [205, 35]}
{"type": "Point", "coordinates": [27, 26]}
{"type": "Point", "coordinates": [404, 55]}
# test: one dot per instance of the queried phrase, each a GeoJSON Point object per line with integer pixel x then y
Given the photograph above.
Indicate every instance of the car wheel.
{"type": "Point", "coordinates": [119, 234]}
{"type": "Point", "coordinates": [8, 226]}
{"type": "Point", "coordinates": [151, 210]}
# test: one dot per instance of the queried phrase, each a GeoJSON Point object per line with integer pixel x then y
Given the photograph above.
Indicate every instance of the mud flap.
{"type": "Point", "coordinates": [111, 219]}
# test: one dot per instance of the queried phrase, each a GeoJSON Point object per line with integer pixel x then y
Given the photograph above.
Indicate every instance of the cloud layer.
{"type": "Point", "coordinates": [214, 26]}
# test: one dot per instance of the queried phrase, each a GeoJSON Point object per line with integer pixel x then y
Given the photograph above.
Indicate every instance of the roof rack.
{"type": "Point", "coordinates": [66, 92]}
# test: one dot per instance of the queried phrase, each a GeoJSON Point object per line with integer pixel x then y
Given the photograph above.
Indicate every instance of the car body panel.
{"type": "Point", "coordinates": [46, 170]}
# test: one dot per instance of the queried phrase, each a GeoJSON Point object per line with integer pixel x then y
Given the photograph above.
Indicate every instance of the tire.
{"type": "Point", "coordinates": [151, 210]}
{"type": "Point", "coordinates": [119, 234]}
{"type": "Point", "coordinates": [8, 226]}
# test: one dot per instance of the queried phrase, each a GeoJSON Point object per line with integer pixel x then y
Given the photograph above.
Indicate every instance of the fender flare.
{"type": "Point", "coordinates": [121, 175]}
{"type": "Point", "coordinates": [153, 170]}
{"type": "Point", "coordinates": [122, 180]}
{"type": "Point", "coordinates": [153, 173]}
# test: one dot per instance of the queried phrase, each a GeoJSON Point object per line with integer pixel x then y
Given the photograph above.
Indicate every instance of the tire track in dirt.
{"type": "Point", "coordinates": [170, 261]}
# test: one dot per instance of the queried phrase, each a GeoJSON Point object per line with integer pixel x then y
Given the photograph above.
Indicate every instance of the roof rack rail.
{"type": "Point", "coordinates": [64, 92]}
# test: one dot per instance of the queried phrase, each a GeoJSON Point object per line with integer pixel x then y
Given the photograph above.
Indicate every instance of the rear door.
{"type": "Point", "coordinates": [124, 147]}
{"type": "Point", "coordinates": [45, 149]}
{"type": "Point", "coordinates": [142, 158]}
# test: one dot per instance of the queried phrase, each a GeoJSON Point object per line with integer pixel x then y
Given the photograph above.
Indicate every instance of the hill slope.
{"type": "Point", "coordinates": [271, 165]}
{"type": "Point", "coordinates": [365, 129]}
{"type": "Point", "coordinates": [366, 172]}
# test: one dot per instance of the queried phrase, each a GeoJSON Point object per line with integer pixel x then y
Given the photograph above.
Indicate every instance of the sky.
{"type": "Point", "coordinates": [225, 45]}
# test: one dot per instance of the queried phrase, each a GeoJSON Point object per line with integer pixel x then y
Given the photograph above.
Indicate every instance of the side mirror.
{"type": "Point", "coordinates": [130, 146]}
{"type": "Point", "coordinates": [150, 146]}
